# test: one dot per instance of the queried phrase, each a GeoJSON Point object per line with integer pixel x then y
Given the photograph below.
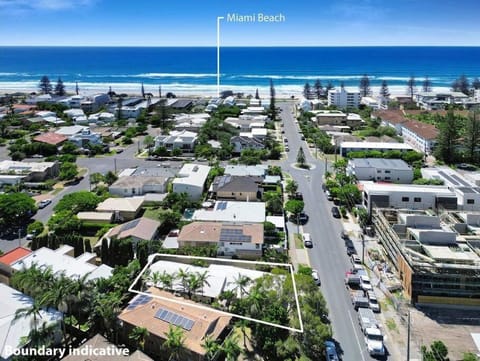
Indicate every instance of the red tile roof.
{"type": "Point", "coordinates": [50, 138]}
{"type": "Point", "coordinates": [391, 116]}
{"type": "Point", "coordinates": [424, 130]}
{"type": "Point", "coordinates": [14, 255]}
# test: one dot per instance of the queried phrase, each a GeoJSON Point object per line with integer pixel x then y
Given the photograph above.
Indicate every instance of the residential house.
{"type": "Point", "coordinates": [75, 101]}
{"type": "Point", "coordinates": [258, 170]}
{"type": "Point", "coordinates": [132, 108]}
{"type": "Point", "coordinates": [139, 229]}
{"type": "Point", "coordinates": [380, 170]}
{"type": "Point", "coordinates": [85, 137]}
{"type": "Point", "coordinates": [61, 260]}
{"type": "Point", "coordinates": [391, 118]}
{"type": "Point", "coordinates": [347, 147]}
{"type": "Point", "coordinates": [236, 188]}
{"type": "Point", "coordinates": [96, 349]}
{"type": "Point", "coordinates": [124, 209]}
{"type": "Point", "coordinates": [191, 180]}
{"type": "Point", "coordinates": [101, 118]}
{"type": "Point", "coordinates": [343, 99]}
{"type": "Point", "coordinates": [411, 196]}
{"type": "Point", "coordinates": [70, 130]}
{"type": "Point", "coordinates": [93, 103]}
{"type": "Point", "coordinates": [15, 330]}
{"type": "Point", "coordinates": [232, 211]}
{"type": "Point", "coordinates": [159, 315]}
{"type": "Point", "coordinates": [245, 124]}
{"type": "Point", "coordinates": [51, 138]}
{"type": "Point", "coordinates": [177, 139]}
{"type": "Point", "coordinates": [240, 240]}
{"type": "Point", "coordinates": [241, 143]}
{"type": "Point", "coordinates": [190, 122]}
{"type": "Point", "coordinates": [29, 171]}
{"type": "Point", "coordinates": [143, 180]}
{"type": "Point", "coordinates": [336, 117]}
{"type": "Point", "coordinates": [421, 136]}
{"type": "Point", "coordinates": [439, 100]}
{"type": "Point", "coordinates": [96, 217]}
{"type": "Point", "coordinates": [9, 258]}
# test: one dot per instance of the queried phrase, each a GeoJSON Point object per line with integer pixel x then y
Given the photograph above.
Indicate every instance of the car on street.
{"type": "Point", "coordinates": [373, 302]}
{"type": "Point", "coordinates": [365, 283]}
{"type": "Point", "coordinates": [335, 212]}
{"type": "Point", "coordinates": [287, 149]}
{"type": "Point", "coordinates": [44, 203]}
{"type": "Point", "coordinates": [298, 196]}
{"type": "Point", "coordinates": [355, 259]}
{"type": "Point", "coordinates": [329, 195]}
{"type": "Point", "coordinates": [331, 351]}
{"type": "Point", "coordinates": [307, 240]}
{"type": "Point", "coordinates": [302, 218]}
{"type": "Point", "coordinates": [316, 277]}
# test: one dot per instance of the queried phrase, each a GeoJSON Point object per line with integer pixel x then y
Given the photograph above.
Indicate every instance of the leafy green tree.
{"type": "Point", "coordinates": [174, 343]}
{"type": "Point", "coordinates": [45, 85]}
{"type": "Point", "coordinates": [139, 335]}
{"type": "Point", "coordinates": [59, 88]}
{"type": "Point", "coordinates": [68, 148]}
{"type": "Point", "coordinates": [149, 141]}
{"type": "Point", "coordinates": [16, 208]}
{"type": "Point", "coordinates": [211, 346]}
{"type": "Point", "coordinates": [384, 92]}
{"type": "Point", "coordinates": [64, 222]}
{"type": "Point", "coordinates": [461, 84]}
{"type": "Point", "coordinates": [110, 178]}
{"type": "Point", "coordinates": [273, 107]}
{"type": "Point", "coordinates": [274, 204]}
{"type": "Point", "coordinates": [80, 201]}
{"type": "Point", "coordinates": [437, 352]}
{"type": "Point", "coordinates": [291, 187]}
{"type": "Point", "coordinates": [318, 89]}
{"type": "Point", "coordinates": [472, 136]}
{"type": "Point", "coordinates": [34, 310]}
{"type": "Point", "coordinates": [230, 348]}
{"type": "Point", "coordinates": [469, 356]}
{"type": "Point", "coordinates": [307, 91]}
{"type": "Point", "coordinates": [294, 206]}
{"type": "Point", "coordinates": [364, 86]}
{"type": "Point", "coordinates": [68, 171]}
{"type": "Point", "coordinates": [274, 170]}
{"type": "Point", "coordinates": [35, 228]}
{"type": "Point", "coordinates": [476, 83]}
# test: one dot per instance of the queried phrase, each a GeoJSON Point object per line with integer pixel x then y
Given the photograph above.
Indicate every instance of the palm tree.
{"type": "Point", "coordinates": [211, 346]}
{"type": "Point", "coordinates": [104, 313]}
{"type": "Point", "coordinates": [241, 282]}
{"type": "Point", "coordinates": [256, 299]}
{"type": "Point", "coordinates": [202, 279]}
{"type": "Point", "coordinates": [230, 348]}
{"type": "Point", "coordinates": [243, 325]}
{"type": "Point", "coordinates": [32, 311]}
{"type": "Point", "coordinates": [139, 335]}
{"type": "Point", "coordinates": [79, 298]}
{"type": "Point", "coordinates": [43, 336]}
{"type": "Point", "coordinates": [154, 278]}
{"type": "Point", "coordinates": [193, 284]}
{"type": "Point", "coordinates": [183, 276]}
{"type": "Point", "coordinates": [174, 342]}
{"type": "Point", "coordinates": [228, 296]}
{"type": "Point", "coordinates": [166, 279]}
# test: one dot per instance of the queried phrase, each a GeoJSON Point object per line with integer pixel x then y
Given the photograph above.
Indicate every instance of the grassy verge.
{"type": "Point", "coordinates": [298, 240]}
{"type": "Point", "coordinates": [391, 325]}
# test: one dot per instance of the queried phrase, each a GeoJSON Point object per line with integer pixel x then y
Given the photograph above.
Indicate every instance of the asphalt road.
{"type": "Point", "coordinates": [328, 254]}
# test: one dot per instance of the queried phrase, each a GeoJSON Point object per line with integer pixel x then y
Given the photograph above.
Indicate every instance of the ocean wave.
{"type": "Point", "coordinates": [152, 75]}
{"type": "Point", "coordinates": [300, 77]}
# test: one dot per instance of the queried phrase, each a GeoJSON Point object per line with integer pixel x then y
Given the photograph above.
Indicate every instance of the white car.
{"type": "Point", "coordinates": [373, 302]}
{"type": "Point", "coordinates": [365, 283]}
{"type": "Point", "coordinates": [44, 203]}
{"type": "Point", "coordinates": [316, 277]}
{"type": "Point", "coordinates": [307, 240]}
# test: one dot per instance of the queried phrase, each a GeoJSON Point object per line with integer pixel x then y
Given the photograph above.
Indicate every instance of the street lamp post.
{"type": "Point", "coordinates": [363, 248]}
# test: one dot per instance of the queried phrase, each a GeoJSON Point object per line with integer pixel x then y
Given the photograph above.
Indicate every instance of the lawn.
{"type": "Point", "coordinates": [298, 240]}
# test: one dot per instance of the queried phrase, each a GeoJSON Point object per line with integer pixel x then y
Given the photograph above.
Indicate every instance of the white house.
{"type": "Point", "coordinates": [346, 147]}
{"type": "Point", "coordinates": [232, 211]}
{"type": "Point", "coordinates": [438, 100]}
{"type": "Point", "coordinates": [177, 139]}
{"type": "Point", "coordinates": [138, 185]}
{"type": "Point", "coordinates": [245, 142]}
{"type": "Point", "coordinates": [421, 136]}
{"type": "Point", "coordinates": [62, 260]}
{"type": "Point", "coordinates": [102, 117]}
{"type": "Point", "coordinates": [191, 180]}
{"type": "Point", "coordinates": [342, 98]}
{"type": "Point", "coordinates": [86, 136]}
{"type": "Point", "coordinates": [14, 331]}
{"type": "Point", "coordinates": [402, 196]}
{"type": "Point", "coordinates": [95, 102]}
{"type": "Point", "coordinates": [380, 169]}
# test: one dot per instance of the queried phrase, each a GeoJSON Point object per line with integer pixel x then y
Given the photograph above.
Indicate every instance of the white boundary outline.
{"type": "Point", "coordinates": [202, 307]}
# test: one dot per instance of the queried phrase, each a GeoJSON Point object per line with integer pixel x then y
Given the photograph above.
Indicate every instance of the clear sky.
{"type": "Point", "coordinates": [193, 22]}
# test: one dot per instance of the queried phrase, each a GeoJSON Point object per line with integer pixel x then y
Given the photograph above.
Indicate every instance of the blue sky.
{"type": "Point", "coordinates": [193, 22]}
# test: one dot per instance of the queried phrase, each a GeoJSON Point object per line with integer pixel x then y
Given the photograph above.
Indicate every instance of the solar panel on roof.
{"type": "Point", "coordinates": [130, 225]}
{"type": "Point", "coordinates": [174, 319]}
{"type": "Point", "coordinates": [460, 180]}
{"type": "Point", "coordinates": [447, 177]}
{"type": "Point", "coordinates": [188, 326]}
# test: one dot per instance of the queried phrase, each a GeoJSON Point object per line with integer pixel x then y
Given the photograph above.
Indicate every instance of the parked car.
{"type": "Point", "coordinates": [329, 195]}
{"type": "Point", "coordinates": [307, 240]}
{"type": "Point", "coordinates": [344, 235]}
{"type": "Point", "coordinates": [335, 212]}
{"type": "Point", "coordinates": [44, 203]}
{"type": "Point", "coordinates": [316, 277]}
{"type": "Point", "coordinates": [365, 283]}
{"type": "Point", "coordinates": [373, 302]}
{"type": "Point", "coordinates": [331, 351]}
{"type": "Point", "coordinates": [355, 259]}
{"type": "Point", "coordinates": [298, 196]}
{"type": "Point", "coordinates": [302, 218]}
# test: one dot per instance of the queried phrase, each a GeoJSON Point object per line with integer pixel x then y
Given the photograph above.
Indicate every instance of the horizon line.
{"type": "Point", "coordinates": [237, 46]}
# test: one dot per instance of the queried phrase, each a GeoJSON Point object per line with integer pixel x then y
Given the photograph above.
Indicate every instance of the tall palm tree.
{"type": "Point", "coordinates": [228, 297]}
{"type": "Point", "coordinates": [211, 346]}
{"type": "Point", "coordinates": [230, 348]}
{"type": "Point", "coordinates": [105, 310]}
{"type": "Point", "coordinates": [79, 299]}
{"type": "Point", "coordinates": [154, 278]}
{"type": "Point", "coordinates": [43, 336]}
{"type": "Point", "coordinates": [32, 311]}
{"type": "Point", "coordinates": [139, 335]}
{"type": "Point", "coordinates": [243, 325]}
{"type": "Point", "coordinates": [166, 279]}
{"type": "Point", "coordinates": [183, 275]}
{"type": "Point", "coordinates": [174, 343]}
{"type": "Point", "coordinates": [241, 282]}
{"type": "Point", "coordinates": [202, 279]}
{"type": "Point", "coordinates": [256, 299]}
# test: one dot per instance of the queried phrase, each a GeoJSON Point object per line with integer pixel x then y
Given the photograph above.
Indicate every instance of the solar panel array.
{"type": "Point", "coordinates": [174, 319]}
{"type": "Point", "coordinates": [221, 205]}
{"type": "Point", "coordinates": [230, 235]}
{"type": "Point", "coordinates": [130, 225]}
{"type": "Point", "coordinates": [138, 301]}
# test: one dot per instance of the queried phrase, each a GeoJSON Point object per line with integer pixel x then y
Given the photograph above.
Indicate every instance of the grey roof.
{"type": "Point", "coordinates": [244, 170]}
{"type": "Point", "coordinates": [397, 164]}
{"type": "Point", "coordinates": [229, 183]}
{"type": "Point", "coordinates": [162, 171]}
{"type": "Point", "coordinates": [132, 181]}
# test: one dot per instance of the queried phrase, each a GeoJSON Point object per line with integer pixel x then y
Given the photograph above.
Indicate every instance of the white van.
{"type": "Point", "coordinates": [307, 240]}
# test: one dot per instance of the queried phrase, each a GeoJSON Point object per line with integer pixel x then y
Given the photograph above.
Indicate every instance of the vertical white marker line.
{"type": "Point", "coordinates": [218, 54]}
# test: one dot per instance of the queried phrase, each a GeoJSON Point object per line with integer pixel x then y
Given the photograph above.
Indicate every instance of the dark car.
{"type": "Point", "coordinates": [335, 212]}
{"type": "Point", "coordinates": [298, 196]}
{"type": "Point", "coordinates": [302, 218]}
{"type": "Point", "coordinates": [331, 351]}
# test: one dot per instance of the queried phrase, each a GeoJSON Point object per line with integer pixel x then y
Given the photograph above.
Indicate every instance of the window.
{"type": "Point", "coordinates": [417, 199]}
{"type": "Point", "coordinates": [387, 178]}
{"type": "Point", "coordinates": [387, 171]}
{"type": "Point", "coordinates": [405, 199]}
{"type": "Point", "coordinates": [379, 171]}
{"type": "Point", "coordinates": [470, 201]}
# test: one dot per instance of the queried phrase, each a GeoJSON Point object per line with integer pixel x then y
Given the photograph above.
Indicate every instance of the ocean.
{"type": "Point", "coordinates": [192, 70]}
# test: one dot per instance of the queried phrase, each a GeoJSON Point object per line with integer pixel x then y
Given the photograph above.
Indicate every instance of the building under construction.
{"type": "Point", "coordinates": [437, 257]}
